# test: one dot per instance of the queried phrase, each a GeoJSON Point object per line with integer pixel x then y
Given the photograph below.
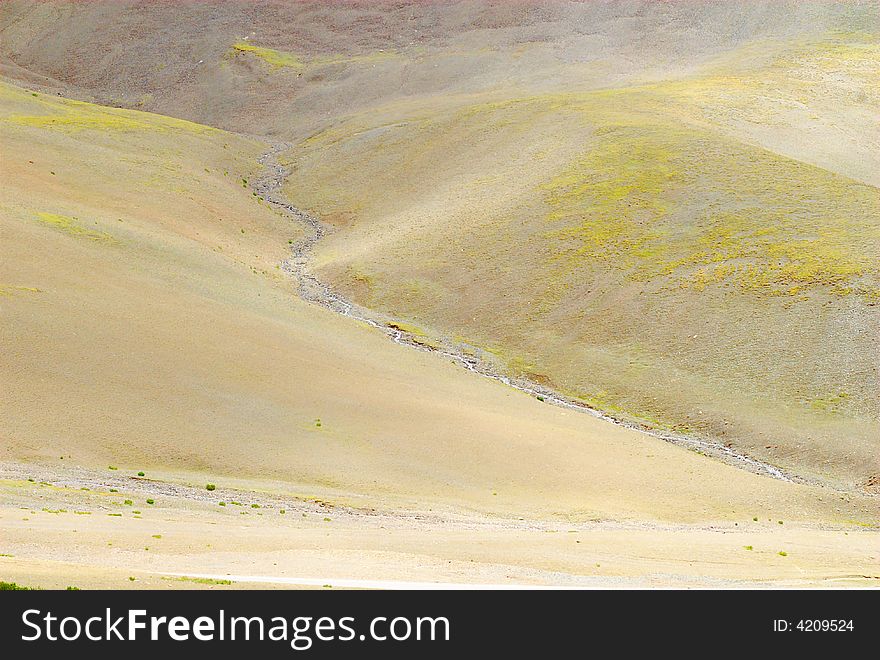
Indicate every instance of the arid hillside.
{"type": "Point", "coordinates": [668, 211]}
{"type": "Point", "coordinates": [152, 345]}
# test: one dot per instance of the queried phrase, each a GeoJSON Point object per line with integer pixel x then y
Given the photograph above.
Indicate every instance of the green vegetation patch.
{"type": "Point", "coordinates": [12, 586]}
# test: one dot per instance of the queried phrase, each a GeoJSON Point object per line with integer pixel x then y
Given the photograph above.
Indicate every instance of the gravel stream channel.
{"type": "Point", "coordinates": [269, 183]}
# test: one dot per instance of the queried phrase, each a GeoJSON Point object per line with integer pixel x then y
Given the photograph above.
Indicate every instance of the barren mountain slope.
{"type": "Point", "coordinates": [699, 253]}
{"type": "Point", "coordinates": [147, 325]}
{"type": "Point", "coordinates": [147, 329]}
{"type": "Point", "coordinates": [666, 210]}
{"type": "Point", "coordinates": [642, 249]}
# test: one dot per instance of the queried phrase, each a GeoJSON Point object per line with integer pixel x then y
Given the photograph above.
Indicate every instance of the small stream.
{"type": "Point", "coordinates": [268, 185]}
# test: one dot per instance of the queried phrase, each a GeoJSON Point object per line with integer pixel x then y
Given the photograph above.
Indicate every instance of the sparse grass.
{"type": "Point", "coordinates": [609, 256]}
{"type": "Point", "coordinates": [71, 116]}
{"type": "Point", "coordinates": [768, 229]}
{"type": "Point", "coordinates": [198, 580]}
{"type": "Point", "coordinates": [72, 226]}
{"type": "Point", "coordinates": [274, 58]}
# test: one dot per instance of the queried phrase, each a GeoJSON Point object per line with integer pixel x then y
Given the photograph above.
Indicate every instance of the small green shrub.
{"type": "Point", "coordinates": [140, 474]}
{"type": "Point", "coordinates": [210, 486]}
{"type": "Point", "coordinates": [12, 586]}
{"type": "Point", "coordinates": [151, 501]}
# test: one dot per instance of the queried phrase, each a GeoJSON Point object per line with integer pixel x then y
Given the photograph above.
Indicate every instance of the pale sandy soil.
{"type": "Point", "coordinates": [60, 536]}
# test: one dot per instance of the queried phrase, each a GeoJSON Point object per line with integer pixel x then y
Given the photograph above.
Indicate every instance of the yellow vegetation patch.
{"type": "Point", "coordinates": [830, 404]}
{"type": "Point", "coordinates": [7, 290]}
{"type": "Point", "coordinates": [659, 200]}
{"type": "Point", "coordinates": [275, 58]}
{"type": "Point", "coordinates": [367, 58]}
{"type": "Point", "coordinates": [72, 226]}
{"type": "Point", "coordinates": [41, 111]}
{"type": "Point", "coordinates": [407, 328]}
{"type": "Point", "coordinates": [80, 121]}
{"type": "Point", "coordinates": [280, 59]}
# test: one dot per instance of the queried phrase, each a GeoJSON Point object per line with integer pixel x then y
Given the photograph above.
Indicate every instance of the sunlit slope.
{"type": "Point", "coordinates": [658, 251]}
{"type": "Point", "coordinates": [145, 327]}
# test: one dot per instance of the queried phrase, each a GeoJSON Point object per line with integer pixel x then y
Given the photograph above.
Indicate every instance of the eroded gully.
{"type": "Point", "coordinates": [268, 184]}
